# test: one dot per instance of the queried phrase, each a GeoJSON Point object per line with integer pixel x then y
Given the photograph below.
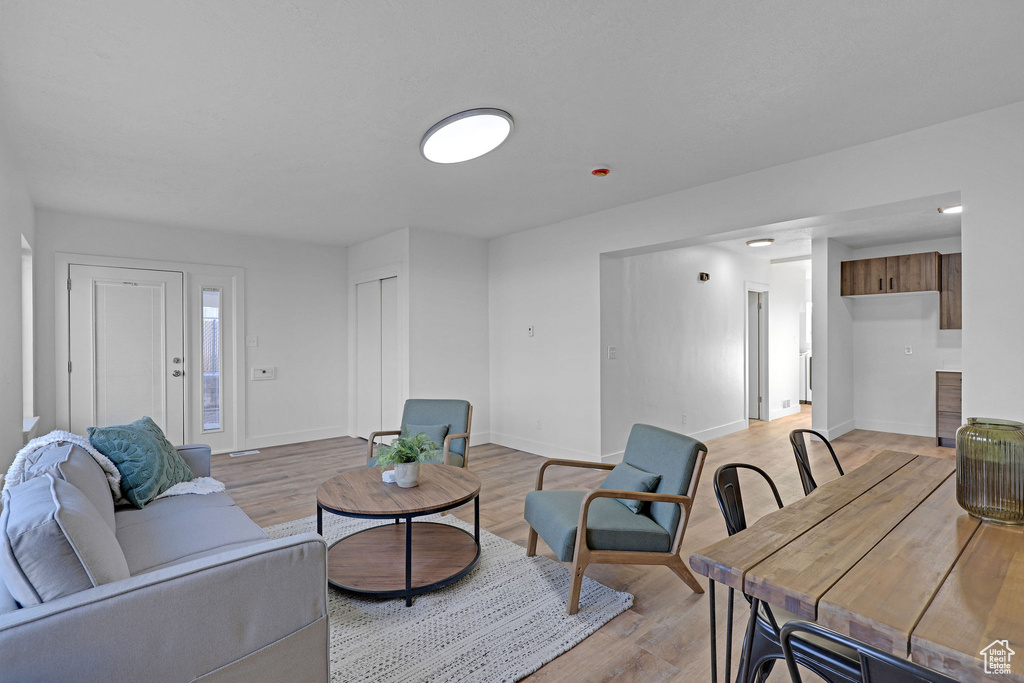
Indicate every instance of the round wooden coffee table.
{"type": "Point", "coordinates": [400, 560]}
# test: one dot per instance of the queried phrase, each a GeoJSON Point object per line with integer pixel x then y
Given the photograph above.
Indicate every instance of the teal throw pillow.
{"type": "Point", "coordinates": [148, 463]}
{"type": "Point", "coordinates": [628, 478]}
{"type": "Point", "coordinates": [435, 433]}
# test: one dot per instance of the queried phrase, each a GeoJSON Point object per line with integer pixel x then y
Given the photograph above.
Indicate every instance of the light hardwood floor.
{"type": "Point", "coordinates": [664, 636]}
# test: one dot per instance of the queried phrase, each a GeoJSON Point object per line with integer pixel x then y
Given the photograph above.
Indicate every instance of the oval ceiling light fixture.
{"type": "Point", "coordinates": [951, 209]}
{"type": "Point", "coordinates": [466, 135]}
{"type": "Point", "coordinates": [761, 242]}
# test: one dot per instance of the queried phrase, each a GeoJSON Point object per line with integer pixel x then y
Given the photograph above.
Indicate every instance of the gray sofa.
{"type": "Point", "coordinates": [205, 596]}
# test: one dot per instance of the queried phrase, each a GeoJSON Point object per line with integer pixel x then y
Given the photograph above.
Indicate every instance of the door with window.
{"type": "Point", "coordinates": [126, 348]}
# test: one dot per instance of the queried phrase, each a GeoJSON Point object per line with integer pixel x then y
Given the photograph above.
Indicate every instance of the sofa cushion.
{"type": "Point", "coordinates": [165, 539]}
{"type": "Point", "coordinates": [53, 542]}
{"type": "Point", "coordinates": [126, 515]}
{"type": "Point", "coordinates": [628, 478]}
{"type": "Point", "coordinates": [148, 463]}
{"type": "Point", "coordinates": [554, 515]}
{"type": "Point", "coordinates": [74, 465]}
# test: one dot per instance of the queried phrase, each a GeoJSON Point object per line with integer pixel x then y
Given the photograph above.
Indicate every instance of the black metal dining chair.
{"type": "Point", "coordinates": [876, 666]}
{"type": "Point", "coordinates": [762, 645]}
{"type": "Point", "coordinates": [803, 461]}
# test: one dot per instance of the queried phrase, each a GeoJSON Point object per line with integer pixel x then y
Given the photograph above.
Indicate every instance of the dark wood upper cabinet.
{"type": "Point", "coordinates": [886, 275]}
{"type": "Point", "coordinates": [949, 295]}
{"type": "Point", "coordinates": [914, 272]}
{"type": "Point", "coordinates": [865, 276]}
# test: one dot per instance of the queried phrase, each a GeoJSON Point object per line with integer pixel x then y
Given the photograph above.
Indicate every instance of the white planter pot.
{"type": "Point", "coordinates": [407, 474]}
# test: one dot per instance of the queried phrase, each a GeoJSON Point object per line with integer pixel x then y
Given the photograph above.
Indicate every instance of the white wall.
{"type": "Point", "coordinates": [448, 318]}
{"type": "Point", "coordinates": [16, 219]}
{"type": "Point", "coordinates": [680, 343]}
{"type": "Point", "coordinates": [295, 304]}
{"type": "Point", "coordinates": [893, 391]}
{"type": "Point", "coordinates": [787, 288]}
{"type": "Point", "coordinates": [550, 276]}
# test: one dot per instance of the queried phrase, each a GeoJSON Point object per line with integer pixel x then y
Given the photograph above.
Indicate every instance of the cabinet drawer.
{"type": "Point", "coordinates": [948, 401]}
{"type": "Point", "coordinates": [948, 379]}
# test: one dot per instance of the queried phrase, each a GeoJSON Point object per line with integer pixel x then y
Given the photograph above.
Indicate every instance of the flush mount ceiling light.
{"type": "Point", "coordinates": [951, 209]}
{"type": "Point", "coordinates": [466, 135]}
{"type": "Point", "coordinates": [762, 242]}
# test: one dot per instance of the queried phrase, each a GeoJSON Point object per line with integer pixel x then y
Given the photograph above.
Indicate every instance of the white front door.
{"type": "Point", "coordinates": [126, 348]}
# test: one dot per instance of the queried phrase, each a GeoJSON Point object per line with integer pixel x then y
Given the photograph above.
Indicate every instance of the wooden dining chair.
{"type": "Point", "coordinates": [876, 666]}
{"type": "Point", "coordinates": [637, 516]}
{"type": "Point", "coordinates": [803, 461]}
{"type": "Point", "coordinates": [762, 645]}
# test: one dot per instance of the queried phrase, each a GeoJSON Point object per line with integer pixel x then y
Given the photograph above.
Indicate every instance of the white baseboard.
{"type": "Point", "coordinates": [897, 427]}
{"type": "Point", "coordinates": [838, 430]}
{"type": "Point", "coordinates": [614, 458]}
{"type": "Point", "coordinates": [784, 412]}
{"type": "Point", "coordinates": [542, 449]}
{"type": "Point", "coordinates": [283, 438]}
{"type": "Point", "coordinates": [715, 432]}
{"type": "Point", "coordinates": [479, 438]}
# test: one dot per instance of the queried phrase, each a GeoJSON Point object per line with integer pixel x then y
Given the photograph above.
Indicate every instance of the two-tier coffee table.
{"type": "Point", "coordinates": [400, 560]}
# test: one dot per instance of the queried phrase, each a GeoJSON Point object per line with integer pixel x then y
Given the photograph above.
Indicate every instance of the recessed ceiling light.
{"type": "Point", "coordinates": [762, 242]}
{"type": "Point", "coordinates": [951, 209]}
{"type": "Point", "coordinates": [466, 135]}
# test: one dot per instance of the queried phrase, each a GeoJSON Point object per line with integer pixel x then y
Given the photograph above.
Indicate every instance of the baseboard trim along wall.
{"type": "Point", "coordinates": [839, 430]}
{"type": "Point", "coordinates": [542, 449]}
{"type": "Point", "coordinates": [721, 430]}
{"type": "Point", "coordinates": [284, 438]}
{"type": "Point", "coordinates": [897, 427]}
{"type": "Point", "coordinates": [784, 412]}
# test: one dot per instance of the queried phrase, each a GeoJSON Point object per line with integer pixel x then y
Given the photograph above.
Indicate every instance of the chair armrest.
{"type": "Point", "coordinates": [555, 462]}
{"type": "Point", "coordinates": [177, 623]}
{"type": "Point", "coordinates": [197, 457]}
{"type": "Point", "coordinates": [447, 441]}
{"type": "Point", "coordinates": [373, 437]}
{"type": "Point", "coordinates": [683, 501]}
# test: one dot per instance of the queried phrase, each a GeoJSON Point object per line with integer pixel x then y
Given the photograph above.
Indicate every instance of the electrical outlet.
{"type": "Point", "coordinates": [529, 331]}
{"type": "Point", "coordinates": [252, 341]}
{"type": "Point", "coordinates": [613, 353]}
{"type": "Point", "coordinates": [684, 419]}
{"type": "Point", "coordinates": [540, 425]}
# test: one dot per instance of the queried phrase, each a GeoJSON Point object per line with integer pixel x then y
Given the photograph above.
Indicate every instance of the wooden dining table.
{"type": "Point", "coordinates": [886, 555]}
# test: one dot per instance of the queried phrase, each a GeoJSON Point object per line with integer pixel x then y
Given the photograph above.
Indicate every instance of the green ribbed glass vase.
{"type": "Point", "coordinates": [990, 469]}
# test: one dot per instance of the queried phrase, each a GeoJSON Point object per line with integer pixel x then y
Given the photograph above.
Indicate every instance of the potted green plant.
{"type": "Point", "coordinates": [406, 453]}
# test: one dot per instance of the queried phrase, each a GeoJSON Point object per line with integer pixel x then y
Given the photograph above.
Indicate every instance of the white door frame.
{"type": "Point", "coordinates": [401, 271]}
{"type": "Point", "coordinates": [764, 356]}
{"type": "Point", "coordinates": [193, 274]}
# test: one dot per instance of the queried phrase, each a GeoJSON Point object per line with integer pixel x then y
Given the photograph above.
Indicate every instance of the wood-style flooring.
{"type": "Point", "coordinates": [664, 636]}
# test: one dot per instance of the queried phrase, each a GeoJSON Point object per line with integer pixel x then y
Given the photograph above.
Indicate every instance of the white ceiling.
{"type": "Point", "coordinates": [302, 118]}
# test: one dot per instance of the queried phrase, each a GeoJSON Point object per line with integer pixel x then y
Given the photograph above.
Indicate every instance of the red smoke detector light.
{"type": "Point", "coordinates": [600, 172]}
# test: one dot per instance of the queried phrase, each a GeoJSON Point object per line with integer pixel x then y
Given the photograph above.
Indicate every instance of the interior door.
{"type": "Point", "coordinates": [126, 348]}
{"type": "Point", "coordinates": [378, 384]}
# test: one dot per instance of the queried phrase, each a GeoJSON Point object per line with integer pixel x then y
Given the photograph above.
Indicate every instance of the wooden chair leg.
{"type": "Point", "coordinates": [531, 543]}
{"type": "Point", "coordinates": [575, 584]}
{"type": "Point", "coordinates": [683, 573]}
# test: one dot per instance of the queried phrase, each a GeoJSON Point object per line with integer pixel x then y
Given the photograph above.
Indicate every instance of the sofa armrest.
{"type": "Point", "coordinates": [197, 457]}
{"type": "Point", "coordinates": [178, 623]}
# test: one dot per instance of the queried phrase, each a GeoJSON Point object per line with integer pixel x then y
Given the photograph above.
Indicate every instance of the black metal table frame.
{"type": "Point", "coordinates": [409, 591]}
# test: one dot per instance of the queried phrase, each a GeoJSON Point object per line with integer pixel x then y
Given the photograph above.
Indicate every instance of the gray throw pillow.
{"type": "Point", "coordinates": [148, 463]}
{"type": "Point", "coordinates": [628, 478]}
{"type": "Point", "coordinates": [435, 433]}
{"type": "Point", "coordinates": [54, 542]}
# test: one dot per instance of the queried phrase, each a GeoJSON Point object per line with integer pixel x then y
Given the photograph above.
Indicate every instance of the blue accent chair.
{"type": "Point", "coordinates": [455, 415]}
{"type": "Point", "coordinates": [614, 534]}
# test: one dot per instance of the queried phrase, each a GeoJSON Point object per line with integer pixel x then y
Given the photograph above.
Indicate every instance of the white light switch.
{"type": "Point", "coordinates": [909, 350]}
{"type": "Point", "coordinates": [263, 373]}
{"type": "Point", "coordinates": [529, 331]}
{"type": "Point", "coordinates": [613, 352]}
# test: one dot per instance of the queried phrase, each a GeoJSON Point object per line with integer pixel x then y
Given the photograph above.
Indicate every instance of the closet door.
{"type": "Point", "coordinates": [378, 389]}
{"type": "Point", "coordinates": [368, 356]}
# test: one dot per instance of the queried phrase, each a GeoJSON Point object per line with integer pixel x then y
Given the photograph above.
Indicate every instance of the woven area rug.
{"type": "Point", "coordinates": [502, 622]}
